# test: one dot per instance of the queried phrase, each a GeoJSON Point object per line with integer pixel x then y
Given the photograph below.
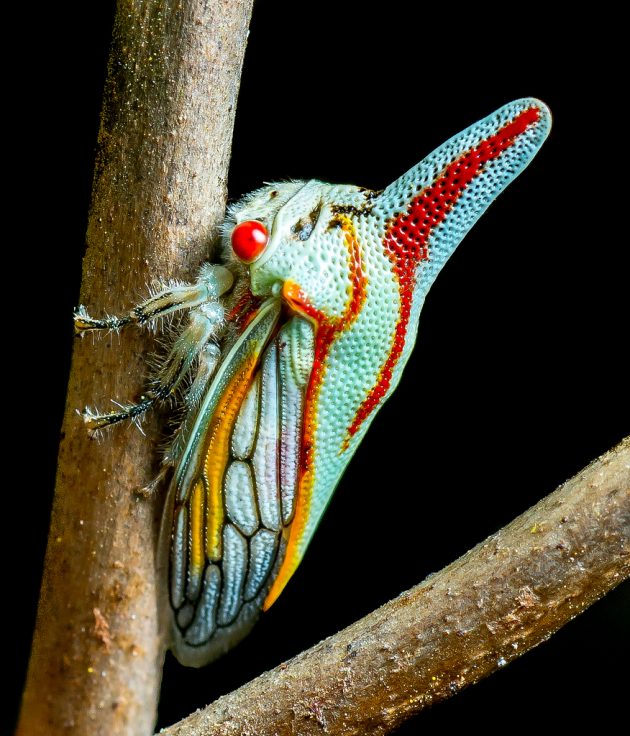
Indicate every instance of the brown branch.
{"type": "Point", "coordinates": [159, 192]}
{"type": "Point", "coordinates": [499, 600]}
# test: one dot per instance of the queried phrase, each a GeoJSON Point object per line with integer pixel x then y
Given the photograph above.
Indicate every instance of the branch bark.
{"type": "Point", "coordinates": [159, 193]}
{"type": "Point", "coordinates": [504, 597]}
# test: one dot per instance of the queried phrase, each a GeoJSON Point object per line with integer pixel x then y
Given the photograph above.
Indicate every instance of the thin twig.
{"type": "Point", "coordinates": [159, 193]}
{"type": "Point", "coordinates": [499, 600]}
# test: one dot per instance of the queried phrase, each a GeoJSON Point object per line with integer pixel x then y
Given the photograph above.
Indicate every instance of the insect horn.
{"type": "Point", "coordinates": [427, 212]}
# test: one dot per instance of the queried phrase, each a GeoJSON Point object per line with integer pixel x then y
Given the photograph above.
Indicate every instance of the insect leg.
{"type": "Point", "coordinates": [208, 359]}
{"type": "Point", "coordinates": [205, 323]}
{"type": "Point", "coordinates": [213, 281]}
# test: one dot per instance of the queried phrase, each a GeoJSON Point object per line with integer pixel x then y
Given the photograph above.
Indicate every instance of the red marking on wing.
{"type": "Point", "coordinates": [407, 237]}
{"type": "Point", "coordinates": [243, 311]}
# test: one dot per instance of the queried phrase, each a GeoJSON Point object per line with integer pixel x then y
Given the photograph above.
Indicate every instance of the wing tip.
{"type": "Point", "coordinates": [219, 641]}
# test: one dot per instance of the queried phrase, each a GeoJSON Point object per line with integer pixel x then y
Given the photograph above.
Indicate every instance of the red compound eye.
{"type": "Point", "coordinates": [249, 239]}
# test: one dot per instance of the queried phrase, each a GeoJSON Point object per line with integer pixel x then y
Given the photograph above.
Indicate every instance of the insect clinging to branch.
{"type": "Point", "coordinates": [294, 341]}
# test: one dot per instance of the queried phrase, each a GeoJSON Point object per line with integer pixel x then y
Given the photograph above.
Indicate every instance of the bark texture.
{"type": "Point", "coordinates": [495, 603]}
{"type": "Point", "coordinates": [159, 193]}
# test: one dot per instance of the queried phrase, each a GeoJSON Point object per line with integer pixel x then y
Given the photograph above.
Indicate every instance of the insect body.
{"type": "Point", "coordinates": [296, 340]}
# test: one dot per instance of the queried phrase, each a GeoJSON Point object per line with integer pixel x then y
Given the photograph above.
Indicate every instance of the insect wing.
{"type": "Point", "coordinates": [233, 493]}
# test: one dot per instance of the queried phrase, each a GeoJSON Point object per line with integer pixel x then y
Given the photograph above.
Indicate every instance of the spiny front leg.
{"type": "Point", "coordinates": [206, 322]}
{"type": "Point", "coordinates": [213, 281]}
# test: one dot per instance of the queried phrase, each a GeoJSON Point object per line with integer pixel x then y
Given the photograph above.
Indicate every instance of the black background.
{"type": "Point", "coordinates": [519, 377]}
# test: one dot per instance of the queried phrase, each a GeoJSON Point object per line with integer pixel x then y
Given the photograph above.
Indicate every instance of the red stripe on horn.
{"type": "Point", "coordinates": [406, 240]}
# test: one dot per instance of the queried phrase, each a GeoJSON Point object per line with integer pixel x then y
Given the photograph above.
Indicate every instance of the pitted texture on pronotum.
{"type": "Point", "coordinates": [310, 340]}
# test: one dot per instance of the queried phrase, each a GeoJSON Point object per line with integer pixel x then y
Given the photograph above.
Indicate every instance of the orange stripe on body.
{"type": "Point", "coordinates": [328, 330]}
{"type": "Point", "coordinates": [217, 452]}
{"type": "Point", "coordinates": [197, 559]}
